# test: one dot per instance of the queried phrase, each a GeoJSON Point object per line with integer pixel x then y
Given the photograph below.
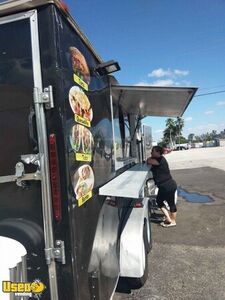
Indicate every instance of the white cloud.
{"type": "Point", "coordinates": [181, 72]}
{"type": "Point", "coordinates": [188, 119]}
{"type": "Point", "coordinates": [163, 82]}
{"type": "Point", "coordinates": [158, 130]}
{"type": "Point", "coordinates": [159, 82]}
{"type": "Point", "coordinates": [220, 103]}
{"type": "Point", "coordinates": [169, 77]}
{"type": "Point", "coordinates": [142, 83]}
{"type": "Point", "coordinates": [209, 112]}
{"type": "Point", "coordinates": [158, 73]}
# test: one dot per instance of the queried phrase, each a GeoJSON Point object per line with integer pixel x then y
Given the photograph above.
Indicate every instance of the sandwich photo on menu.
{"type": "Point", "coordinates": [79, 64]}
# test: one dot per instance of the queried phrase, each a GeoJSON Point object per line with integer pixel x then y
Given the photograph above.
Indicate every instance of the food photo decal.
{"type": "Point", "coordinates": [80, 106]}
{"type": "Point", "coordinates": [83, 183]}
{"type": "Point", "coordinates": [82, 142]}
{"type": "Point", "coordinates": [80, 68]}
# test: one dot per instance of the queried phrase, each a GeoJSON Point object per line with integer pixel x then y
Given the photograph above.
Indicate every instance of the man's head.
{"type": "Point", "coordinates": [157, 151]}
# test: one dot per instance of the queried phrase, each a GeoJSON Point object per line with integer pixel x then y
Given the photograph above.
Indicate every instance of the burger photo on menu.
{"type": "Point", "coordinates": [80, 103]}
{"type": "Point", "coordinates": [83, 181]}
{"type": "Point", "coordinates": [79, 64]}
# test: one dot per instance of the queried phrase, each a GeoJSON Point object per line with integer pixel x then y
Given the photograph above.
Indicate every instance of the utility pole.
{"type": "Point", "coordinates": [171, 143]}
{"type": "Point", "coordinates": [179, 135]}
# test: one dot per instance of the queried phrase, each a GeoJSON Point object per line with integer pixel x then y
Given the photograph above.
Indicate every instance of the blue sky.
{"type": "Point", "coordinates": [161, 42]}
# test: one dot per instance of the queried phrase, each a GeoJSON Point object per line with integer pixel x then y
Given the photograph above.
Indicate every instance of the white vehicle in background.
{"type": "Point", "coordinates": [184, 146]}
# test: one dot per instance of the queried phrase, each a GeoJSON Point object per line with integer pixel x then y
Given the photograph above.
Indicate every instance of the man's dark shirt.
{"type": "Point", "coordinates": [161, 173]}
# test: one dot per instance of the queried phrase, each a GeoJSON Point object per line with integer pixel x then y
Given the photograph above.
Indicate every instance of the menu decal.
{"type": "Point", "coordinates": [80, 68]}
{"type": "Point", "coordinates": [80, 106]}
{"type": "Point", "coordinates": [82, 142]}
{"type": "Point", "coordinates": [83, 183]}
{"type": "Point", "coordinates": [81, 138]}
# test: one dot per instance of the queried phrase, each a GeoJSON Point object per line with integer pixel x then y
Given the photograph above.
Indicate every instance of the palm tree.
{"type": "Point", "coordinates": [173, 131]}
{"type": "Point", "coordinates": [179, 123]}
{"type": "Point", "coordinates": [169, 133]}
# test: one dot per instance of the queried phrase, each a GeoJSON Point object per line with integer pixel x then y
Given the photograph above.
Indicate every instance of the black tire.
{"type": "Point", "coordinates": [137, 283]}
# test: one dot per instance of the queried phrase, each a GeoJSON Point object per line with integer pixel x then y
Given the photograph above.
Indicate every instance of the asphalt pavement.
{"type": "Point", "coordinates": [187, 262]}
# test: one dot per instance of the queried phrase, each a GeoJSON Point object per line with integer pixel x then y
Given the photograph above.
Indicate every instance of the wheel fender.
{"type": "Point", "coordinates": [132, 263]}
{"type": "Point", "coordinates": [28, 233]}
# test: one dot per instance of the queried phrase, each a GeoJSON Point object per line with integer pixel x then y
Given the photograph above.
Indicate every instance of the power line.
{"type": "Point", "coordinates": [212, 93]}
{"type": "Point", "coordinates": [212, 87]}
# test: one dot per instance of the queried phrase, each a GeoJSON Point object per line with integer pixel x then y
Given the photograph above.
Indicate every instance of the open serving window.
{"type": "Point", "coordinates": [143, 101]}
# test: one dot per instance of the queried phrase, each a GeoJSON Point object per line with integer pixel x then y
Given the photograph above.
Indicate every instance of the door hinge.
{"type": "Point", "coordinates": [33, 159]}
{"type": "Point", "coordinates": [20, 177]}
{"type": "Point", "coordinates": [57, 253]}
{"type": "Point", "coordinates": [45, 97]}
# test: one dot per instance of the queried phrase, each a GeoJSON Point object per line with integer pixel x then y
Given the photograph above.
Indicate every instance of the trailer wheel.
{"type": "Point", "coordinates": [137, 283]}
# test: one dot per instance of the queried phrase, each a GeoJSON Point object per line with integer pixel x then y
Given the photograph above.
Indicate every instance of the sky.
{"type": "Point", "coordinates": [167, 43]}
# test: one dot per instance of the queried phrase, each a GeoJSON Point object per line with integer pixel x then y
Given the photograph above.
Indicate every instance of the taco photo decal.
{"type": "Point", "coordinates": [80, 106]}
{"type": "Point", "coordinates": [83, 183]}
{"type": "Point", "coordinates": [81, 141]}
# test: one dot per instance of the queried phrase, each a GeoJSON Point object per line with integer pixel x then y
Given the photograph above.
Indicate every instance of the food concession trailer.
{"type": "Point", "coordinates": [72, 178]}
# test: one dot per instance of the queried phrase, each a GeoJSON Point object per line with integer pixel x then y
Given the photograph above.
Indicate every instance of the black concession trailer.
{"type": "Point", "coordinates": [72, 177]}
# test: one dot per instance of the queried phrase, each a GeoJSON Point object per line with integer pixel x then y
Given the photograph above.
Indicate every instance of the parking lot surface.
{"type": "Point", "coordinates": [188, 261]}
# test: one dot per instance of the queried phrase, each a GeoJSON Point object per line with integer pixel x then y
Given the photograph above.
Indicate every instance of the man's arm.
{"type": "Point", "coordinates": [152, 161]}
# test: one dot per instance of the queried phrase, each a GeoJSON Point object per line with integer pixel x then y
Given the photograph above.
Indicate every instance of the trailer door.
{"type": "Point", "coordinates": [25, 206]}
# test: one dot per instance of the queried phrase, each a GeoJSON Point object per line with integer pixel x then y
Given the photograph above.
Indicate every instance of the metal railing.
{"type": "Point", "coordinates": [19, 274]}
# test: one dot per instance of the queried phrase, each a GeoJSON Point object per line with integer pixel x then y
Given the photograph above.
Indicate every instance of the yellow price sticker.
{"type": "Point", "coordinates": [82, 121]}
{"type": "Point", "coordinates": [83, 157]}
{"type": "Point", "coordinates": [83, 199]}
{"type": "Point", "coordinates": [80, 81]}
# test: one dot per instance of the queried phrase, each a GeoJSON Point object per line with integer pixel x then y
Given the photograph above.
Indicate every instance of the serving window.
{"type": "Point", "coordinates": [122, 137]}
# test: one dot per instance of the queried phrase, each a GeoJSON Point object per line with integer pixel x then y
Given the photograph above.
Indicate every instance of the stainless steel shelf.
{"type": "Point", "coordinates": [129, 184]}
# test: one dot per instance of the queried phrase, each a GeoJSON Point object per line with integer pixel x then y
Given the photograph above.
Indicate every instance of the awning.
{"type": "Point", "coordinates": [152, 100]}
